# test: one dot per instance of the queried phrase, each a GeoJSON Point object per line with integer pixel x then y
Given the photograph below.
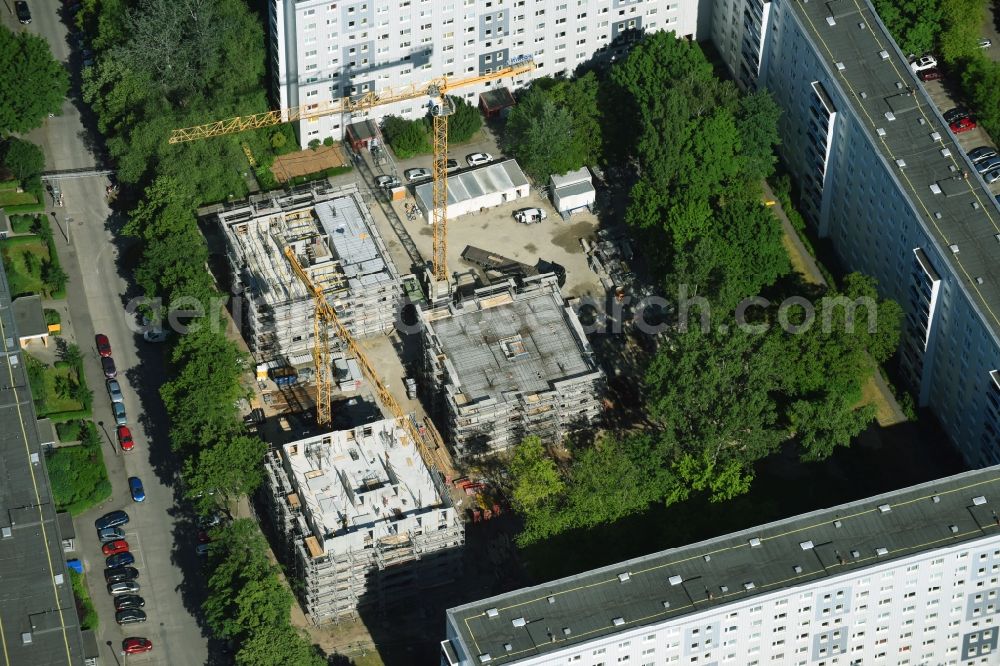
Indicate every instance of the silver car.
{"type": "Point", "coordinates": [111, 534]}
{"type": "Point", "coordinates": [125, 587]}
{"type": "Point", "coordinates": [992, 176]}
{"type": "Point", "coordinates": [115, 391]}
{"type": "Point", "coordinates": [119, 411]}
{"type": "Point", "coordinates": [988, 164]}
{"type": "Point", "coordinates": [416, 174]}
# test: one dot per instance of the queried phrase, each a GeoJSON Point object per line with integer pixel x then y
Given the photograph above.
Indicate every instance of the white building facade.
{"type": "Point", "coordinates": [883, 179]}
{"type": "Point", "coordinates": [906, 578]}
{"type": "Point", "coordinates": [324, 49]}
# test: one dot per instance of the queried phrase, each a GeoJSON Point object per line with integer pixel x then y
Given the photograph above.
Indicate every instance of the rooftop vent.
{"type": "Point", "coordinates": [748, 585]}
{"type": "Point", "coordinates": [945, 152]}
{"type": "Point", "coordinates": [953, 529]}
{"type": "Point", "coordinates": [797, 569]}
{"type": "Point", "coordinates": [979, 500]}
{"type": "Point", "coordinates": [997, 236]}
{"type": "Point", "coordinates": [519, 622]}
{"type": "Point", "coordinates": [936, 499]}
{"type": "Point", "coordinates": [5, 532]}
{"type": "Point", "coordinates": [938, 215]}
{"type": "Point", "coordinates": [485, 657]}
{"type": "Point", "coordinates": [566, 631]}
{"type": "Point", "coordinates": [855, 554]}
{"type": "Point", "coordinates": [862, 25]}
{"type": "Point", "coordinates": [884, 508]}
{"type": "Point", "coordinates": [841, 66]}
{"type": "Point", "coordinates": [508, 647]}
{"type": "Point", "coordinates": [883, 54]}
{"type": "Point", "coordinates": [936, 136]}
{"type": "Point", "coordinates": [34, 457]}
{"type": "Point", "coordinates": [675, 580]}
{"type": "Point", "coordinates": [707, 558]}
{"type": "Point", "coordinates": [935, 188]}
{"type": "Point", "coordinates": [806, 545]}
{"type": "Point", "coordinates": [754, 542]}
{"type": "Point", "coordinates": [830, 21]}
{"type": "Point", "coordinates": [880, 131]}
{"type": "Point", "coordinates": [492, 612]}
{"type": "Point", "coordinates": [975, 205]}
{"type": "Point", "coordinates": [901, 163]}
{"type": "Point", "coordinates": [550, 599]}
{"type": "Point", "coordinates": [59, 579]}
{"type": "Point", "coordinates": [890, 116]}
{"type": "Point", "coordinates": [899, 85]}
{"type": "Point", "coordinates": [26, 638]}
{"type": "Point", "coordinates": [881, 552]}
{"type": "Point", "coordinates": [666, 604]}
{"type": "Point", "coordinates": [838, 524]}
{"type": "Point", "coordinates": [863, 95]}
{"type": "Point", "coordinates": [624, 576]}
{"type": "Point", "coordinates": [618, 621]}
{"type": "Point", "coordinates": [954, 250]}
{"type": "Point", "coordinates": [979, 280]}
{"type": "Point", "coordinates": [723, 588]}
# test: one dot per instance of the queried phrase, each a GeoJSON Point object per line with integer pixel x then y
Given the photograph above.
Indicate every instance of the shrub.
{"type": "Point", "coordinates": [79, 478]}
{"type": "Point", "coordinates": [407, 138]}
{"type": "Point", "coordinates": [278, 140]}
{"type": "Point", "coordinates": [22, 224]}
{"type": "Point", "coordinates": [69, 431]}
{"type": "Point", "coordinates": [84, 605]}
{"type": "Point", "coordinates": [52, 317]}
{"type": "Point", "coordinates": [25, 208]}
{"type": "Point", "coordinates": [328, 141]}
{"type": "Point", "coordinates": [314, 144]}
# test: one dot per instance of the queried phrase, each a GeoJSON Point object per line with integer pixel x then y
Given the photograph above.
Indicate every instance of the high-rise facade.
{"type": "Point", "coordinates": [883, 178]}
{"type": "Point", "coordinates": [909, 577]}
{"type": "Point", "coordinates": [323, 49]}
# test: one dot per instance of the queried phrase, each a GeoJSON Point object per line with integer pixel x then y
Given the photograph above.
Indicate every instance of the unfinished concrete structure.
{"type": "Point", "coordinates": [364, 521]}
{"type": "Point", "coordinates": [337, 244]}
{"type": "Point", "coordinates": [509, 362]}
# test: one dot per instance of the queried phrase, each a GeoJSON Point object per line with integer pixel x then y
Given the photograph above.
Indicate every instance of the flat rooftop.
{"type": "Point", "coordinates": [797, 551]}
{"type": "Point", "coordinates": [333, 238]}
{"type": "Point", "coordinates": [38, 622]}
{"type": "Point", "coordinates": [474, 183]}
{"type": "Point", "coordinates": [959, 212]}
{"type": "Point", "coordinates": [505, 341]}
{"type": "Point", "coordinates": [352, 481]}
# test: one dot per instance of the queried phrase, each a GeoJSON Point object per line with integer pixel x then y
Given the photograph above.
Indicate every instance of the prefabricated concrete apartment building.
{"type": "Point", "coordinates": [335, 241]}
{"type": "Point", "coordinates": [509, 361]}
{"type": "Point", "coordinates": [363, 519]}
{"type": "Point", "coordinates": [323, 50]}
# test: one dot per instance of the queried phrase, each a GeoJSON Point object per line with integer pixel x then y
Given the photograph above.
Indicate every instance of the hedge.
{"type": "Point", "coordinates": [325, 173]}
{"type": "Point", "coordinates": [8, 185]}
{"type": "Point", "coordinates": [25, 208]}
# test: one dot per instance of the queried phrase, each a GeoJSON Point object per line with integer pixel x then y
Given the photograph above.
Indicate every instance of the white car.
{"type": "Point", "coordinates": [922, 63]}
{"type": "Point", "coordinates": [530, 215]}
{"type": "Point", "coordinates": [416, 174]}
{"type": "Point", "coordinates": [476, 159]}
{"type": "Point", "coordinates": [985, 43]}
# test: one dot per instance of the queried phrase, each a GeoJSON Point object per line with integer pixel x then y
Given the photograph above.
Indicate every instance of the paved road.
{"type": "Point", "coordinates": [95, 299]}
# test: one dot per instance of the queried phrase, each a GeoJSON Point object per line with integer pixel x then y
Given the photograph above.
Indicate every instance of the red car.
{"type": "Point", "coordinates": [933, 74]}
{"type": "Point", "coordinates": [136, 645]}
{"type": "Point", "coordinates": [103, 345]}
{"type": "Point", "coordinates": [203, 537]}
{"type": "Point", "coordinates": [962, 125]}
{"type": "Point", "coordinates": [125, 438]}
{"type": "Point", "coordinates": [115, 547]}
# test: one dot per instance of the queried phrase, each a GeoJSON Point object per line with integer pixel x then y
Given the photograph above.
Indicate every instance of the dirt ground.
{"type": "Point", "coordinates": [307, 161]}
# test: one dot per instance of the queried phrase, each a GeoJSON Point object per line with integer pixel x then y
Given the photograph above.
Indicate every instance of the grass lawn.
{"type": "Point", "coordinates": [23, 263]}
{"type": "Point", "coordinates": [15, 198]}
{"type": "Point", "coordinates": [56, 389]}
{"type": "Point", "coordinates": [79, 478]}
{"type": "Point", "coordinates": [84, 606]}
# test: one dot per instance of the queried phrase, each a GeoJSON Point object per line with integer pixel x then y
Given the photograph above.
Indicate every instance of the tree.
{"type": "Point", "coordinates": [534, 473]}
{"type": "Point", "coordinates": [32, 83]}
{"type": "Point", "coordinates": [540, 135]}
{"type": "Point", "coordinates": [464, 122]}
{"type": "Point", "coordinates": [231, 467]}
{"type": "Point", "coordinates": [757, 125]}
{"type": "Point", "coordinates": [23, 158]}
{"type": "Point", "coordinates": [406, 137]}
{"type": "Point", "coordinates": [915, 24]}
{"type": "Point", "coordinates": [981, 81]}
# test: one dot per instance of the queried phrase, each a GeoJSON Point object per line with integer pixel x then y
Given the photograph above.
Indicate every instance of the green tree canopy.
{"type": "Point", "coordinates": [464, 123]}
{"type": "Point", "coordinates": [217, 475]}
{"type": "Point", "coordinates": [406, 137]}
{"type": "Point", "coordinates": [539, 133]}
{"type": "Point", "coordinates": [32, 83]}
{"type": "Point", "coordinates": [24, 159]}
{"type": "Point", "coordinates": [535, 474]}
{"type": "Point", "coordinates": [915, 24]}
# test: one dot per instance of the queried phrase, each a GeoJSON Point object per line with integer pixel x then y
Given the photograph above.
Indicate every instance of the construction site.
{"type": "Point", "coordinates": [334, 239]}
{"type": "Point", "coordinates": [352, 506]}
{"type": "Point", "coordinates": [511, 360]}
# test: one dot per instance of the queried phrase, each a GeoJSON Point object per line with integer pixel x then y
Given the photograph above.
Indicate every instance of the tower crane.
{"type": "Point", "coordinates": [441, 107]}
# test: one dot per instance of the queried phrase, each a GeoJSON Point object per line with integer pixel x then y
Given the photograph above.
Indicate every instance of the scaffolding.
{"type": "Point", "coordinates": [509, 362]}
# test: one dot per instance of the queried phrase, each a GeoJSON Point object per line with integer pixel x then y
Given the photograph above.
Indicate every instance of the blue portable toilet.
{"type": "Point", "coordinates": [75, 565]}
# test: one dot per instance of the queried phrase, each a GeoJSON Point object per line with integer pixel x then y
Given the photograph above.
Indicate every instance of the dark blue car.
{"type": "Point", "coordinates": [113, 519]}
{"type": "Point", "coordinates": [135, 487]}
{"type": "Point", "coordinates": [120, 560]}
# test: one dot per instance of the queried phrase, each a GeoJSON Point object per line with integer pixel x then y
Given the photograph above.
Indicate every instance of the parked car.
{"type": "Point", "coordinates": [992, 176]}
{"type": "Point", "coordinates": [981, 153]}
{"type": "Point", "coordinates": [988, 164]}
{"type": "Point", "coordinates": [985, 43]}
{"type": "Point", "coordinates": [932, 74]}
{"type": "Point", "coordinates": [126, 601]}
{"type": "Point", "coordinates": [119, 560]}
{"type": "Point", "coordinates": [203, 537]}
{"type": "Point", "coordinates": [416, 174]}
{"type": "Point", "coordinates": [115, 390]}
{"type": "Point", "coordinates": [156, 335]}
{"type": "Point", "coordinates": [115, 547]}
{"type": "Point", "coordinates": [135, 487]}
{"type": "Point", "coordinates": [103, 344]}
{"type": "Point", "coordinates": [451, 164]}
{"type": "Point", "coordinates": [923, 62]}
{"type": "Point", "coordinates": [386, 182]}
{"type": "Point", "coordinates": [212, 520]}
{"type": "Point", "coordinates": [110, 534]}
{"type": "Point", "coordinates": [962, 125]}
{"type": "Point", "coordinates": [118, 409]}
{"type": "Point", "coordinates": [130, 616]}
{"type": "Point", "coordinates": [113, 519]}
{"type": "Point", "coordinates": [530, 215]}
{"type": "Point", "coordinates": [120, 575]}
{"type": "Point", "coordinates": [125, 587]}
{"type": "Point", "coordinates": [108, 366]}
{"type": "Point", "coordinates": [956, 114]}
{"type": "Point", "coordinates": [201, 550]}
{"type": "Point", "coordinates": [23, 13]}
{"type": "Point", "coordinates": [136, 645]}
{"type": "Point", "coordinates": [475, 159]}
{"type": "Point", "coordinates": [125, 438]}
